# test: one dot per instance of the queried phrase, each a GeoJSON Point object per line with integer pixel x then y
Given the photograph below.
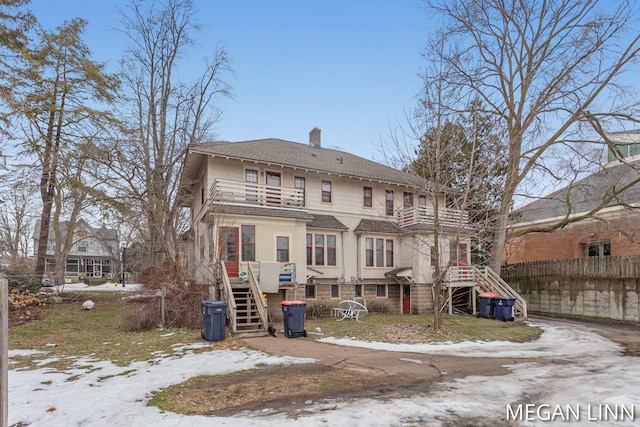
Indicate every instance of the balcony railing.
{"type": "Point", "coordinates": [224, 191]}
{"type": "Point", "coordinates": [240, 192]}
{"type": "Point", "coordinates": [426, 215]}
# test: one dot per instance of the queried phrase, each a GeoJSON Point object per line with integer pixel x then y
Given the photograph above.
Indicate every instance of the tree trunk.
{"type": "Point", "coordinates": [47, 193]}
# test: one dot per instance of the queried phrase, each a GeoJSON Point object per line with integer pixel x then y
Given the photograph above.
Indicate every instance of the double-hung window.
{"type": "Point", "coordinates": [309, 249]}
{"type": "Point", "coordinates": [248, 243]}
{"type": "Point", "coordinates": [321, 249]}
{"type": "Point", "coordinates": [388, 198]}
{"type": "Point", "coordinates": [367, 197]}
{"type": "Point", "coordinates": [389, 253]}
{"type": "Point", "coordinates": [326, 191]}
{"type": "Point", "coordinates": [379, 252]}
{"type": "Point", "coordinates": [282, 250]}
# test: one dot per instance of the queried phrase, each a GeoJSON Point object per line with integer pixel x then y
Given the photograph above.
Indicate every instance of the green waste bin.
{"type": "Point", "coordinates": [504, 308]}
{"type": "Point", "coordinates": [293, 313]}
{"type": "Point", "coordinates": [214, 320]}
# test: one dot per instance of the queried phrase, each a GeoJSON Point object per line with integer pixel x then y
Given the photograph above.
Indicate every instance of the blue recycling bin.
{"type": "Point", "coordinates": [485, 305]}
{"type": "Point", "coordinates": [504, 308]}
{"type": "Point", "coordinates": [293, 313]}
{"type": "Point", "coordinates": [214, 320]}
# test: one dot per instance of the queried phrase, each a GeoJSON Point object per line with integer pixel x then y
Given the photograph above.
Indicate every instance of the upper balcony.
{"type": "Point", "coordinates": [426, 215]}
{"type": "Point", "coordinates": [225, 191]}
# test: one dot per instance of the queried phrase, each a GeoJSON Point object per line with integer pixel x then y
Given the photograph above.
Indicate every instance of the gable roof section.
{"type": "Point", "coordinates": [327, 221]}
{"type": "Point", "coordinates": [377, 226]}
{"type": "Point", "coordinates": [101, 233]}
{"type": "Point", "coordinates": [585, 195]}
{"type": "Point", "coordinates": [300, 156]}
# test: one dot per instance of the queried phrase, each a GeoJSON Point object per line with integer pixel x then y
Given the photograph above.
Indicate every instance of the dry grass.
{"type": "Point", "coordinates": [402, 328]}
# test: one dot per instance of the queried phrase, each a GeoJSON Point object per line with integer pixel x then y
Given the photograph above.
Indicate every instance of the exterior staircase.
{"type": "Point", "coordinates": [248, 320]}
{"type": "Point", "coordinates": [482, 279]}
{"type": "Point", "coordinates": [246, 310]}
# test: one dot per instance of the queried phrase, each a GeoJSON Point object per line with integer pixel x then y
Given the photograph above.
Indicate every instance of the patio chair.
{"type": "Point", "coordinates": [350, 309]}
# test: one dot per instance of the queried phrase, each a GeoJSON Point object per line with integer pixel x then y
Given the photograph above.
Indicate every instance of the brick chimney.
{"type": "Point", "coordinates": [314, 138]}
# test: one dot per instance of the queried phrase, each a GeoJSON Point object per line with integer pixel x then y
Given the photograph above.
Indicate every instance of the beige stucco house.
{"type": "Point", "coordinates": [303, 222]}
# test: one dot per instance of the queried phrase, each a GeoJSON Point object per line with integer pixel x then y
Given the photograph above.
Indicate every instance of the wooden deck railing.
{"type": "Point", "coordinates": [609, 266]}
{"type": "Point", "coordinates": [256, 291]}
{"type": "Point", "coordinates": [227, 295]}
{"type": "Point", "coordinates": [426, 215]}
{"type": "Point", "coordinates": [487, 280]}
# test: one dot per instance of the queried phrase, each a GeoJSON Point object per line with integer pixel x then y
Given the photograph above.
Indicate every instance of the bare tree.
{"type": "Point", "coordinates": [549, 72]}
{"type": "Point", "coordinates": [167, 114]}
{"type": "Point", "coordinates": [16, 216]}
{"type": "Point", "coordinates": [445, 148]}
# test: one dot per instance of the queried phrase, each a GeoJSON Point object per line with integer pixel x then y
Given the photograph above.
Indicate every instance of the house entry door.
{"type": "Point", "coordinates": [97, 268]}
{"type": "Point", "coordinates": [462, 255]}
{"type": "Point", "coordinates": [274, 181]}
{"type": "Point", "coordinates": [228, 244]}
{"type": "Point", "coordinates": [406, 299]}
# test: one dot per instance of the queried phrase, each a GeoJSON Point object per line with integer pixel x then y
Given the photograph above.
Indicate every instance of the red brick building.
{"type": "Point", "coordinates": [610, 230]}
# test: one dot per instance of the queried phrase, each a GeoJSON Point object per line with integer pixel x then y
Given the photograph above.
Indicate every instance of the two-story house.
{"type": "Point", "coordinates": [93, 256]}
{"type": "Point", "coordinates": [319, 225]}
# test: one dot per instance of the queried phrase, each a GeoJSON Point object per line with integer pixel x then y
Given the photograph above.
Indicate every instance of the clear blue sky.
{"type": "Point", "coordinates": [348, 67]}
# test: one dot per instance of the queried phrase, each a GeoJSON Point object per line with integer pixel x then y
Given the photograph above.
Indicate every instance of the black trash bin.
{"type": "Point", "coordinates": [214, 320]}
{"type": "Point", "coordinates": [504, 308]}
{"type": "Point", "coordinates": [293, 313]}
{"type": "Point", "coordinates": [485, 305]}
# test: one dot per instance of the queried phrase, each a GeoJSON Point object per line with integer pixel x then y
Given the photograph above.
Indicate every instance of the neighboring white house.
{"type": "Point", "coordinates": [94, 253]}
{"type": "Point", "coordinates": [334, 225]}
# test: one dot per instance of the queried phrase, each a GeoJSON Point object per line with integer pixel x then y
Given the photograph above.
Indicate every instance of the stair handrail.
{"type": "Point", "coordinates": [227, 295]}
{"type": "Point", "coordinates": [503, 288]}
{"type": "Point", "coordinates": [256, 290]}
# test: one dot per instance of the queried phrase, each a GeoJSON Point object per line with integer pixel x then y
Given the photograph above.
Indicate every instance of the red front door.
{"type": "Point", "coordinates": [228, 244]}
{"type": "Point", "coordinates": [406, 299]}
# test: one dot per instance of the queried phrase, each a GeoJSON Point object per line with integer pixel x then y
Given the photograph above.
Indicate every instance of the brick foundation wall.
{"type": "Point", "coordinates": [321, 306]}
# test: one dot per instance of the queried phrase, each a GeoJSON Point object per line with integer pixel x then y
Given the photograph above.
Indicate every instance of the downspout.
{"type": "Point", "coordinates": [342, 267]}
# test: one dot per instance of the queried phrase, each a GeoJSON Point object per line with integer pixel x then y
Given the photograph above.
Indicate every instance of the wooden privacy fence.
{"type": "Point", "coordinates": [609, 267]}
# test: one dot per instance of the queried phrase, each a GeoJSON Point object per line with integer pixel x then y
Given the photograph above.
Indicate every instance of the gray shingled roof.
{"type": "Point", "coordinates": [327, 221]}
{"type": "Point", "coordinates": [101, 233]}
{"type": "Point", "coordinates": [585, 195]}
{"type": "Point", "coordinates": [377, 226]}
{"type": "Point", "coordinates": [304, 156]}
